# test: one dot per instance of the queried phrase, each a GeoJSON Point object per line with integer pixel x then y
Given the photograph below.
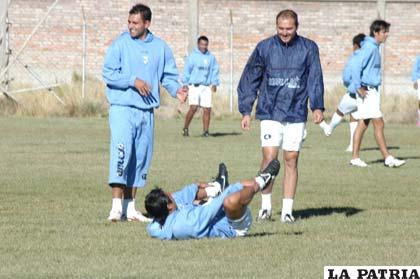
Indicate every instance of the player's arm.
{"type": "Point", "coordinates": [360, 61]}
{"type": "Point", "coordinates": [113, 72]}
{"type": "Point", "coordinates": [249, 85]}
{"type": "Point", "coordinates": [214, 75]}
{"type": "Point", "coordinates": [315, 84]}
{"type": "Point", "coordinates": [187, 70]}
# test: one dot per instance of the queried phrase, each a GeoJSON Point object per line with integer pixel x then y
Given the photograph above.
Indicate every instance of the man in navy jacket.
{"type": "Point", "coordinates": [284, 71]}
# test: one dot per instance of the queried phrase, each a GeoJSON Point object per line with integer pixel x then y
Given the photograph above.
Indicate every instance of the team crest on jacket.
{"type": "Point", "coordinates": [145, 59]}
{"type": "Point", "coordinates": [206, 62]}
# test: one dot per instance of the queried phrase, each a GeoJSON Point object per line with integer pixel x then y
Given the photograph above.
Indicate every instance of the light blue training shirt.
{"type": "Point", "coordinates": [201, 68]}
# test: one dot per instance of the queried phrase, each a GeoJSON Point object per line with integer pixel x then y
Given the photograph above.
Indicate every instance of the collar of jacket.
{"type": "Point", "coordinates": [290, 43]}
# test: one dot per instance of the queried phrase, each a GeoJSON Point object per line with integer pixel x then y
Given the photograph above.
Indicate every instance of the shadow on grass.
{"type": "Point", "coordinates": [381, 161]}
{"type": "Point", "coordinates": [263, 234]}
{"type": "Point", "coordinates": [377, 148]}
{"type": "Point", "coordinates": [225, 134]}
{"type": "Point", "coordinates": [324, 211]}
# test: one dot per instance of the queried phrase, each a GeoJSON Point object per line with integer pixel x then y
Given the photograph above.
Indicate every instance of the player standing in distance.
{"type": "Point", "coordinates": [415, 76]}
{"type": "Point", "coordinates": [348, 104]}
{"type": "Point", "coordinates": [181, 215]}
{"type": "Point", "coordinates": [366, 78]}
{"type": "Point", "coordinates": [201, 73]}
{"type": "Point", "coordinates": [283, 72]}
{"type": "Point", "coordinates": [135, 65]}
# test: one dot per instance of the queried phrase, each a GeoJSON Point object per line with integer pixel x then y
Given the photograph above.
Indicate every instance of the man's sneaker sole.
{"type": "Point", "coordinates": [270, 172]}
{"type": "Point", "coordinates": [288, 219]}
{"type": "Point", "coordinates": [263, 215]}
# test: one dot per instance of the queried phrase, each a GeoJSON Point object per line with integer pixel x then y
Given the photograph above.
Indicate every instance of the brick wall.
{"type": "Point", "coordinates": [56, 50]}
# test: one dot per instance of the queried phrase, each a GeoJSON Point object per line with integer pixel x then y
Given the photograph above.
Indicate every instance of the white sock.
{"type": "Point", "coordinates": [335, 121]}
{"type": "Point", "coordinates": [287, 207]}
{"type": "Point", "coordinates": [353, 126]}
{"type": "Point", "coordinates": [260, 181]}
{"type": "Point", "coordinates": [266, 201]}
{"type": "Point", "coordinates": [116, 205]}
{"type": "Point", "coordinates": [213, 190]}
{"type": "Point", "coordinates": [323, 124]}
{"type": "Point", "coordinates": [129, 206]}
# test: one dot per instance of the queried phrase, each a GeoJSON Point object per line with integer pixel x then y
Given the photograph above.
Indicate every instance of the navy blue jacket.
{"type": "Point", "coordinates": [283, 76]}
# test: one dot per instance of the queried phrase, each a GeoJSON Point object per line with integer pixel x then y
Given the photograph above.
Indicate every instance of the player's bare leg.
{"type": "Point", "coordinates": [188, 118]}
{"type": "Point", "coordinates": [289, 184]}
{"type": "Point", "coordinates": [353, 126]}
{"type": "Point", "coordinates": [357, 140]}
{"type": "Point", "coordinates": [378, 126]}
{"type": "Point", "coordinates": [269, 153]}
{"type": "Point", "coordinates": [206, 121]}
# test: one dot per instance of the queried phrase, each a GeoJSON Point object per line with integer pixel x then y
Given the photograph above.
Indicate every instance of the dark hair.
{"type": "Point", "coordinates": [156, 204]}
{"type": "Point", "coordinates": [288, 14]}
{"type": "Point", "coordinates": [202, 38]}
{"type": "Point", "coordinates": [358, 39]}
{"type": "Point", "coordinates": [379, 25]}
{"type": "Point", "coordinates": [144, 10]}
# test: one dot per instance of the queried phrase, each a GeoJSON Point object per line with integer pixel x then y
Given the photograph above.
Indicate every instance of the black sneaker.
{"type": "Point", "coordinates": [270, 172]}
{"type": "Point", "coordinates": [205, 134]}
{"type": "Point", "coordinates": [185, 132]}
{"type": "Point", "coordinates": [222, 177]}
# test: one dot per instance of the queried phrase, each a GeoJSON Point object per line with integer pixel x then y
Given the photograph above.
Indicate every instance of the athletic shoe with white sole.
{"type": "Point", "coordinates": [222, 177]}
{"type": "Point", "coordinates": [392, 162]}
{"type": "Point", "coordinates": [136, 216]}
{"type": "Point", "coordinates": [326, 128]}
{"type": "Point", "coordinates": [288, 218]}
{"type": "Point", "coordinates": [270, 172]}
{"type": "Point", "coordinates": [264, 215]}
{"type": "Point", "coordinates": [114, 216]}
{"type": "Point", "coordinates": [358, 163]}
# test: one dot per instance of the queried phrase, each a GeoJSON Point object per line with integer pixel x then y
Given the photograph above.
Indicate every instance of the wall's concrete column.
{"type": "Point", "coordinates": [193, 24]}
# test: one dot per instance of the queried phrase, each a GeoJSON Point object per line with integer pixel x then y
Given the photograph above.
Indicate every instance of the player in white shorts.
{"type": "Point", "coordinates": [348, 104]}
{"type": "Point", "coordinates": [415, 76]}
{"type": "Point", "coordinates": [366, 77]}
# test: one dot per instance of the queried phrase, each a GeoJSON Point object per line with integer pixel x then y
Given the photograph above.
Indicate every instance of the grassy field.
{"type": "Point", "coordinates": [54, 202]}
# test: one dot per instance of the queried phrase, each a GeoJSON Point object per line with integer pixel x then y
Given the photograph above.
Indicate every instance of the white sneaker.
{"type": "Point", "coordinates": [136, 216]}
{"type": "Point", "coordinates": [392, 162]}
{"type": "Point", "coordinates": [305, 134]}
{"type": "Point", "coordinates": [349, 148]}
{"type": "Point", "coordinates": [358, 163]}
{"type": "Point", "coordinates": [326, 128]}
{"type": "Point", "coordinates": [114, 216]}
{"type": "Point", "coordinates": [287, 218]}
{"type": "Point", "coordinates": [263, 215]}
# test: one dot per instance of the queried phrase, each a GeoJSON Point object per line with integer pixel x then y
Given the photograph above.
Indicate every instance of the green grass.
{"type": "Point", "coordinates": [54, 202]}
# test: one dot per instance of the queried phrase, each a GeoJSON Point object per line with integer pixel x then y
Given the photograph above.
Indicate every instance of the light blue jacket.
{"type": "Point", "coordinates": [150, 60]}
{"type": "Point", "coordinates": [201, 68]}
{"type": "Point", "coordinates": [347, 70]}
{"type": "Point", "coordinates": [195, 221]}
{"type": "Point", "coordinates": [415, 75]}
{"type": "Point", "coordinates": [366, 70]}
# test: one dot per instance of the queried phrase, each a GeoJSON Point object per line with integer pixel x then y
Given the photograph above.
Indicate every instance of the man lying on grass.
{"type": "Point", "coordinates": [215, 209]}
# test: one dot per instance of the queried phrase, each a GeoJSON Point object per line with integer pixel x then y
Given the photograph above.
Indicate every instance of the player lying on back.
{"type": "Point", "coordinates": [224, 213]}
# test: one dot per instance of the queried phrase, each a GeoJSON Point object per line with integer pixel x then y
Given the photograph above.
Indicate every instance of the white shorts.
{"type": "Point", "coordinates": [243, 224]}
{"type": "Point", "coordinates": [199, 96]}
{"type": "Point", "coordinates": [370, 106]}
{"type": "Point", "coordinates": [285, 135]}
{"type": "Point", "coordinates": [348, 105]}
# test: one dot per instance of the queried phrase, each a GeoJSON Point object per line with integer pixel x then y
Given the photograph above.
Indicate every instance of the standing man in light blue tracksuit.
{"type": "Point", "coordinates": [348, 104]}
{"type": "Point", "coordinates": [366, 78]}
{"type": "Point", "coordinates": [283, 72]}
{"type": "Point", "coordinates": [201, 74]}
{"type": "Point", "coordinates": [415, 77]}
{"type": "Point", "coordinates": [135, 65]}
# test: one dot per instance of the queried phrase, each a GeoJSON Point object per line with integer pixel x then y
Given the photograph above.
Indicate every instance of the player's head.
{"type": "Point", "coordinates": [203, 44]}
{"type": "Point", "coordinates": [139, 19]}
{"type": "Point", "coordinates": [156, 204]}
{"type": "Point", "coordinates": [357, 41]}
{"type": "Point", "coordinates": [379, 29]}
{"type": "Point", "coordinates": [287, 24]}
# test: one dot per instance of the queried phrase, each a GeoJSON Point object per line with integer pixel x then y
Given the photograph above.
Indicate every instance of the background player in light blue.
{"type": "Point", "coordinates": [415, 77]}
{"type": "Point", "coordinates": [348, 104]}
{"type": "Point", "coordinates": [201, 74]}
{"type": "Point", "coordinates": [225, 215]}
{"type": "Point", "coordinates": [135, 65]}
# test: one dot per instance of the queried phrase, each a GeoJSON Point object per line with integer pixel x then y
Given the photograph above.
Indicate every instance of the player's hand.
{"type": "Point", "coordinates": [318, 116]}
{"type": "Point", "coordinates": [246, 123]}
{"type": "Point", "coordinates": [182, 94]}
{"type": "Point", "coordinates": [362, 92]}
{"type": "Point", "coordinates": [416, 85]}
{"type": "Point", "coordinates": [213, 88]}
{"type": "Point", "coordinates": [142, 87]}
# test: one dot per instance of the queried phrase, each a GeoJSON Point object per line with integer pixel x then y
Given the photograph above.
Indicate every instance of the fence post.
{"type": "Point", "coordinates": [83, 54]}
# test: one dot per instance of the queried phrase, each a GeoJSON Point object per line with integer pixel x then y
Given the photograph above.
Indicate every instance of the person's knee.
{"type": "Point", "coordinates": [291, 159]}
{"type": "Point", "coordinates": [193, 108]}
{"type": "Point", "coordinates": [230, 203]}
{"type": "Point", "coordinates": [378, 123]}
{"type": "Point", "coordinates": [207, 110]}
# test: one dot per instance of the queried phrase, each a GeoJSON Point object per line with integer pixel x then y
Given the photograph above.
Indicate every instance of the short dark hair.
{"type": "Point", "coordinates": [156, 204]}
{"type": "Point", "coordinates": [288, 14]}
{"type": "Point", "coordinates": [358, 39]}
{"type": "Point", "coordinates": [379, 25]}
{"type": "Point", "coordinates": [202, 38]}
{"type": "Point", "coordinates": [143, 10]}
